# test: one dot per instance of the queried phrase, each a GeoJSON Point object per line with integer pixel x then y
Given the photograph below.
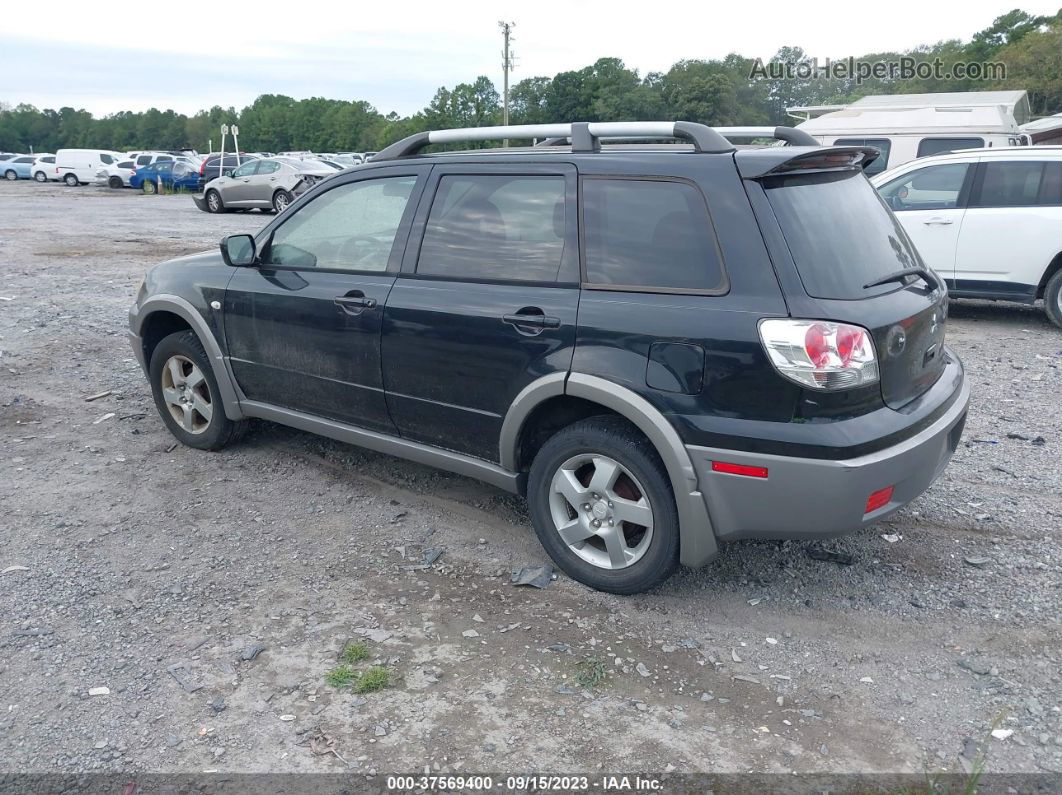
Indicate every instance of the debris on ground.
{"type": "Point", "coordinates": [536, 576]}
{"type": "Point", "coordinates": [99, 395]}
{"type": "Point", "coordinates": [840, 558]}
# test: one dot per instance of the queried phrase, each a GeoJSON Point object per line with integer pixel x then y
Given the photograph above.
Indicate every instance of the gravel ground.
{"type": "Point", "coordinates": [211, 593]}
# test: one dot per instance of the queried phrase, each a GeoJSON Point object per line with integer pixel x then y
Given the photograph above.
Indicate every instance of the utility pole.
{"type": "Point", "coordinates": [507, 66]}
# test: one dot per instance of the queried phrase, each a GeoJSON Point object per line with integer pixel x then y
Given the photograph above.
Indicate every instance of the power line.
{"type": "Point", "coordinates": [508, 64]}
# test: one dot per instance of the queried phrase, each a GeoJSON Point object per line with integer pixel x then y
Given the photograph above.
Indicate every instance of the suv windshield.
{"type": "Point", "coordinates": [840, 234]}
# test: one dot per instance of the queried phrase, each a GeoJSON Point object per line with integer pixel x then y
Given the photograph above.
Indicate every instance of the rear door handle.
{"type": "Point", "coordinates": [354, 303]}
{"type": "Point", "coordinates": [532, 320]}
{"type": "Point", "coordinates": [938, 220]}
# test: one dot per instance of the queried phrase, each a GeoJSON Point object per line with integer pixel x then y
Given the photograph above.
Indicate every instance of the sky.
{"type": "Point", "coordinates": [108, 56]}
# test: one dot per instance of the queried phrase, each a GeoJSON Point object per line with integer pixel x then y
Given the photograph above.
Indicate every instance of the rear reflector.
{"type": "Point", "coordinates": [878, 499]}
{"type": "Point", "coordinates": [739, 469]}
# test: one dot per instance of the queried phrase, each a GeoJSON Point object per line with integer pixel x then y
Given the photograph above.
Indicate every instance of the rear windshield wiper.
{"type": "Point", "coordinates": [900, 276]}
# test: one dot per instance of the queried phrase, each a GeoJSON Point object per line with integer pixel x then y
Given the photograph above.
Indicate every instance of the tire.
{"type": "Point", "coordinates": [11, 174]}
{"type": "Point", "coordinates": [40, 176]}
{"type": "Point", "coordinates": [646, 554]}
{"type": "Point", "coordinates": [115, 182]}
{"type": "Point", "coordinates": [1053, 298]}
{"type": "Point", "coordinates": [71, 180]}
{"type": "Point", "coordinates": [281, 199]}
{"type": "Point", "coordinates": [187, 396]}
{"type": "Point", "coordinates": [150, 187]}
{"type": "Point", "coordinates": [214, 204]}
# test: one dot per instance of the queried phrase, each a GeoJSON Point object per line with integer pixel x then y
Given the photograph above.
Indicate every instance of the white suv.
{"type": "Point", "coordinates": [988, 220]}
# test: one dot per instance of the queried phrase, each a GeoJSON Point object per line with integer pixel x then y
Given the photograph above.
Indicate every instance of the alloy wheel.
{"type": "Point", "coordinates": [187, 394]}
{"type": "Point", "coordinates": [601, 511]}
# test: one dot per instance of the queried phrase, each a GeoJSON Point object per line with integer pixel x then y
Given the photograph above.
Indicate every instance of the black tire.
{"type": "Point", "coordinates": [1053, 298]}
{"type": "Point", "coordinates": [40, 176]}
{"type": "Point", "coordinates": [115, 182]}
{"type": "Point", "coordinates": [71, 180]}
{"type": "Point", "coordinates": [619, 440]}
{"type": "Point", "coordinates": [219, 431]}
{"type": "Point", "coordinates": [11, 174]}
{"type": "Point", "coordinates": [214, 204]}
{"type": "Point", "coordinates": [149, 187]}
{"type": "Point", "coordinates": [281, 199]}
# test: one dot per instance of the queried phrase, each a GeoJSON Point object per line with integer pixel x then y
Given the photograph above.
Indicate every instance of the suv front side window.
{"type": "Point", "coordinates": [649, 234]}
{"type": "Point", "coordinates": [930, 188]}
{"type": "Point", "coordinates": [498, 227]}
{"type": "Point", "coordinates": [351, 227]}
{"type": "Point", "coordinates": [246, 170]}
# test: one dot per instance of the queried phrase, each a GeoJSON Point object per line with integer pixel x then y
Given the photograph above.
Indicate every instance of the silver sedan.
{"type": "Point", "coordinates": [271, 183]}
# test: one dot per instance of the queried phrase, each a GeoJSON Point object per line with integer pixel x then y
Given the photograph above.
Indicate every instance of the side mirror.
{"type": "Point", "coordinates": [227, 172]}
{"type": "Point", "coordinates": [238, 251]}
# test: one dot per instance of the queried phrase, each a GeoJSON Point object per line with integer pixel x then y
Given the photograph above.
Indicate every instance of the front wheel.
{"type": "Point", "coordinates": [186, 393]}
{"type": "Point", "coordinates": [150, 187]}
{"type": "Point", "coordinates": [602, 506]}
{"type": "Point", "coordinates": [1053, 299]}
{"type": "Point", "coordinates": [281, 200]}
{"type": "Point", "coordinates": [115, 183]}
{"type": "Point", "coordinates": [213, 202]}
{"type": "Point", "coordinates": [11, 174]}
{"type": "Point", "coordinates": [71, 180]}
{"type": "Point", "coordinates": [40, 176]}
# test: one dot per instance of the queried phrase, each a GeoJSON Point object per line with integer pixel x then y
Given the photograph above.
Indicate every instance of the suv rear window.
{"type": "Point", "coordinates": [649, 234]}
{"type": "Point", "coordinates": [840, 234]}
{"type": "Point", "coordinates": [495, 227]}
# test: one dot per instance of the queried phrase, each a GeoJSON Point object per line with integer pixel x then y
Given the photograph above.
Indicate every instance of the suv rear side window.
{"type": "Point", "coordinates": [1014, 183]}
{"type": "Point", "coordinates": [938, 146]}
{"type": "Point", "coordinates": [495, 227]}
{"type": "Point", "coordinates": [840, 234]}
{"type": "Point", "coordinates": [883, 145]}
{"type": "Point", "coordinates": [649, 234]}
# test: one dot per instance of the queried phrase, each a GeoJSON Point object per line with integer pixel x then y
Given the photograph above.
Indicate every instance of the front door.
{"type": "Point", "coordinates": [303, 326]}
{"type": "Point", "coordinates": [486, 301]}
{"type": "Point", "coordinates": [237, 189]}
{"type": "Point", "coordinates": [930, 203]}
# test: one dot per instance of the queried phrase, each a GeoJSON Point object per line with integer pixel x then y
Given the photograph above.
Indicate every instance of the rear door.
{"type": "Point", "coordinates": [486, 301]}
{"type": "Point", "coordinates": [930, 202]}
{"type": "Point", "coordinates": [1012, 229]}
{"type": "Point", "coordinates": [303, 326]}
{"type": "Point", "coordinates": [840, 239]}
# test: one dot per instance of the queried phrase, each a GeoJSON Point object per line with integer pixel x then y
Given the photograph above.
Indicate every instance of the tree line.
{"type": "Point", "coordinates": [721, 92]}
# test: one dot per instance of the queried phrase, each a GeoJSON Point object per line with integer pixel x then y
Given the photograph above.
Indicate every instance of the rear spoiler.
{"type": "Point", "coordinates": [775, 161]}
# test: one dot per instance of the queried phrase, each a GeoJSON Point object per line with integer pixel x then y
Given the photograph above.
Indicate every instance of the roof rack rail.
{"type": "Point", "coordinates": [791, 135]}
{"type": "Point", "coordinates": [584, 136]}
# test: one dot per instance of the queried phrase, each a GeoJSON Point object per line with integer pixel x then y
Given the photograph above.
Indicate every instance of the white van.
{"type": "Point", "coordinates": [79, 166]}
{"type": "Point", "coordinates": [904, 134]}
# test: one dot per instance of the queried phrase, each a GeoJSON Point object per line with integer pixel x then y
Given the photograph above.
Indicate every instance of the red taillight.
{"type": "Point", "coordinates": [739, 469]}
{"type": "Point", "coordinates": [819, 353]}
{"type": "Point", "coordinates": [816, 345]}
{"type": "Point", "coordinates": [879, 499]}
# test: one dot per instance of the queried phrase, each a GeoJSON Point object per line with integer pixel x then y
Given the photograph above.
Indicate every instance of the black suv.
{"type": "Point", "coordinates": [664, 346]}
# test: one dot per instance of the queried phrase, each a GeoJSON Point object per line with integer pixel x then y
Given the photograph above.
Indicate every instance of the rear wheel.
{"type": "Point", "coordinates": [71, 180]}
{"type": "Point", "coordinates": [281, 199]}
{"type": "Point", "coordinates": [187, 396]}
{"type": "Point", "coordinates": [115, 182]}
{"type": "Point", "coordinates": [150, 187]}
{"type": "Point", "coordinates": [1053, 299]}
{"type": "Point", "coordinates": [213, 202]}
{"type": "Point", "coordinates": [602, 506]}
{"type": "Point", "coordinates": [40, 176]}
{"type": "Point", "coordinates": [11, 174]}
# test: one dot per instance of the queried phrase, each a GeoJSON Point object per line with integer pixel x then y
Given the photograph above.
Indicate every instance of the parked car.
{"type": "Point", "coordinates": [212, 168]}
{"type": "Point", "coordinates": [347, 159]}
{"type": "Point", "coordinates": [175, 176]}
{"type": "Point", "coordinates": [79, 166]}
{"type": "Point", "coordinates": [119, 175]}
{"type": "Point", "coordinates": [988, 220]}
{"type": "Point", "coordinates": [19, 167]}
{"type": "Point", "coordinates": [43, 169]}
{"type": "Point", "coordinates": [727, 345]}
{"type": "Point", "coordinates": [268, 184]}
{"type": "Point", "coordinates": [7, 156]}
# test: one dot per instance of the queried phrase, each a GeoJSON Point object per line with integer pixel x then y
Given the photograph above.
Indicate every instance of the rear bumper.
{"type": "Point", "coordinates": [819, 498]}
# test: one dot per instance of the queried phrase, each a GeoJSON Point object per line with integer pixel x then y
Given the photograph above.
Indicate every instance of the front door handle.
{"type": "Point", "coordinates": [531, 317]}
{"type": "Point", "coordinates": [354, 302]}
{"type": "Point", "coordinates": [938, 220]}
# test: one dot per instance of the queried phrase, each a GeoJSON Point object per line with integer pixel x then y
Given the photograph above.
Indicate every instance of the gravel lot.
{"type": "Point", "coordinates": [155, 571]}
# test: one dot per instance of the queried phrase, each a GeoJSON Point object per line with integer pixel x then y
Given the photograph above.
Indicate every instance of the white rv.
{"type": "Point", "coordinates": [907, 126]}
